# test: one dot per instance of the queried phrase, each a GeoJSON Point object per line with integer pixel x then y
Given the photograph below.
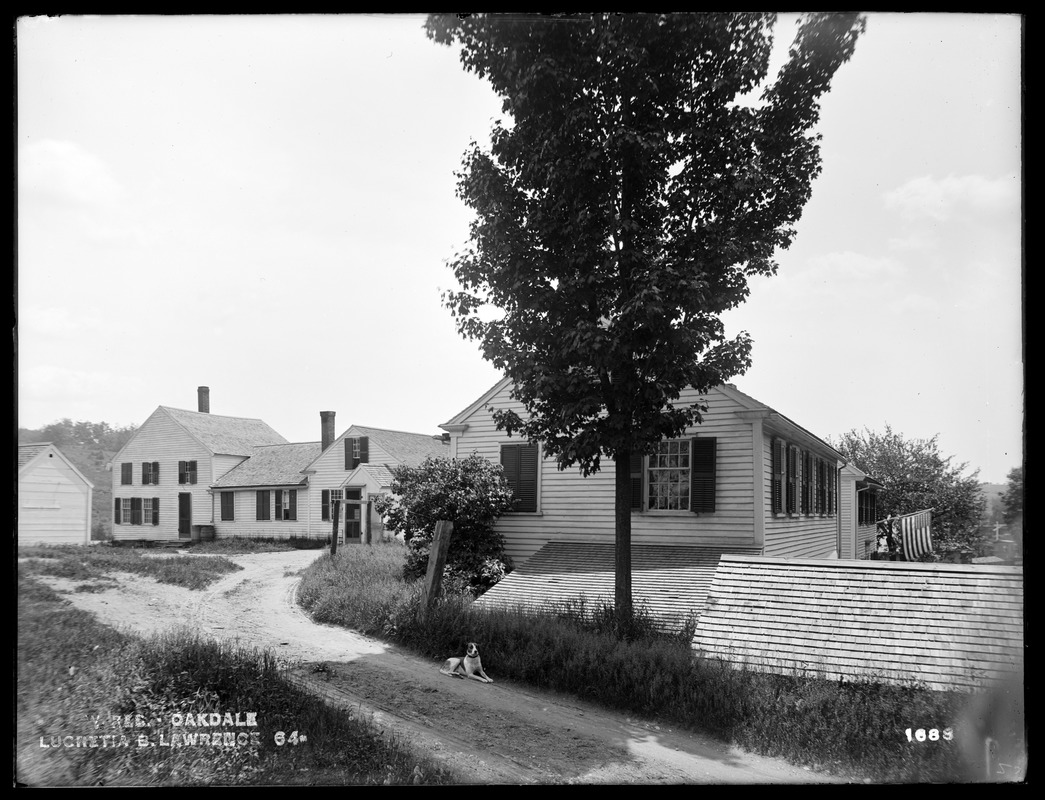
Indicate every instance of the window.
{"type": "Point", "coordinates": [669, 476]}
{"type": "Point", "coordinates": [186, 472]}
{"type": "Point", "coordinates": [867, 507]}
{"type": "Point", "coordinates": [357, 451]}
{"type": "Point", "coordinates": [228, 506]}
{"type": "Point", "coordinates": [126, 474]}
{"type": "Point", "coordinates": [679, 476]}
{"type": "Point", "coordinates": [286, 504]}
{"type": "Point", "coordinates": [802, 482]}
{"type": "Point", "coordinates": [127, 511]}
{"type": "Point", "coordinates": [150, 472]}
{"type": "Point", "coordinates": [520, 468]}
{"type": "Point", "coordinates": [262, 504]}
{"type": "Point", "coordinates": [327, 499]}
{"type": "Point", "coordinates": [151, 511]}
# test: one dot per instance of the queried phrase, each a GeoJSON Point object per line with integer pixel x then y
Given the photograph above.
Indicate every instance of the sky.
{"type": "Point", "coordinates": [265, 205]}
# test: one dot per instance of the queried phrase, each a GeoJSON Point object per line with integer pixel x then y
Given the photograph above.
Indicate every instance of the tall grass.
{"type": "Point", "coordinates": [853, 728]}
{"type": "Point", "coordinates": [94, 563]}
{"type": "Point", "coordinates": [77, 678]}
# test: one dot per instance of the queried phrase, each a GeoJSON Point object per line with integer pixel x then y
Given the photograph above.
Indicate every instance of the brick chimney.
{"type": "Point", "coordinates": [203, 392]}
{"type": "Point", "coordinates": [326, 419]}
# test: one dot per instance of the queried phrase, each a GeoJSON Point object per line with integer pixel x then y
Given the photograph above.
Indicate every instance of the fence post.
{"type": "Point", "coordinates": [333, 537]}
{"type": "Point", "coordinates": [436, 563]}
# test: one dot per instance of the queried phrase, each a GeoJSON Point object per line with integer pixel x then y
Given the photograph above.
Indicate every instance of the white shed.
{"type": "Point", "coordinates": [54, 498]}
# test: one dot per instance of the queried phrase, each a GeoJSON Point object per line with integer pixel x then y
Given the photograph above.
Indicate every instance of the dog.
{"type": "Point", "coordinates": [468, 667]}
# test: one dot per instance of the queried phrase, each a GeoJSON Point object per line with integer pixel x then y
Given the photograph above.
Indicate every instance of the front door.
{"type": "Point", "coordinates": [353, 517]}
{"type": "Point", "coordinates": [184, 515]}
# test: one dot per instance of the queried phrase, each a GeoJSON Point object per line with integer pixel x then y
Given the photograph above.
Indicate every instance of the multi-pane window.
{"type": "Point", "coordinates": [285, 504]}
{"type": "Point", "coordinates": [186, 472]}
{"type": "Point", "coordinates": [803, 483]}
{"type": "Point", "coordinates": [669, 476]}
{"type": "Point", "coordinates": [329, 499]}
{"type": "Point", "coordinates": [150, 472]}
{"type": "Point", "coordinates": [147, 511]}
{"type": "Point", "coordinates": [128, 517]}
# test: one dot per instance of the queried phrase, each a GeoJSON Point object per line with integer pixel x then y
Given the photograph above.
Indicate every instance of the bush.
{"type": "Point", "coordinates": [471, 493]}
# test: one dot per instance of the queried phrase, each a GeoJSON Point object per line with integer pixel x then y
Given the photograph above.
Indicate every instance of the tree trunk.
{"type": "Point", "coordinates": [622, 528]}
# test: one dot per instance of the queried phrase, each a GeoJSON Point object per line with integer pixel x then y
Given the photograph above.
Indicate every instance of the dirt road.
{"type": "Point", "coordinates": [486, 733]}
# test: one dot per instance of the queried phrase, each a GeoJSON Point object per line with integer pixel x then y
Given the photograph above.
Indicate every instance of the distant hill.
{"type": "Point", "coordinates": [90, 446]}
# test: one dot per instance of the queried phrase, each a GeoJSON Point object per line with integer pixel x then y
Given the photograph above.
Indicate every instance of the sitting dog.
{"type": "Point", "coordinates": [468, 667]}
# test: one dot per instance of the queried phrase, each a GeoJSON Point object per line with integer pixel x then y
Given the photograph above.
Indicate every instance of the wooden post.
{"type": "Point", "coordinates": [333, 537]}
{"type": "Point", "coordinates": [366, 522]}
{"type": "Point", "coordinates": [436, 563]}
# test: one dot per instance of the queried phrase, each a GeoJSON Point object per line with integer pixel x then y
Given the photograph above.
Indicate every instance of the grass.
{"type": "Point", "coordinates": [854, 729]}
{"type": "Point", "coordinates": [82, 687]}
{"type": "Point", "coordinates": [95, 563]}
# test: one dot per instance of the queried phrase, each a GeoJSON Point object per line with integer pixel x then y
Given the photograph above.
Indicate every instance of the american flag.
{"type": "Point", "coordinates": [916, 534]}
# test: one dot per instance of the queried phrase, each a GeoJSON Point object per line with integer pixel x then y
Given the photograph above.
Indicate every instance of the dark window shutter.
{"type": "Point", "coordinates": [155, 511]}
{"type": "Point", "coordinates": [510, 464]}
{"type": "Point", "coordinates": [778, 476]}
{"type": "Point", "coordinates": [520, 469]}
{"type": "Point", "coordinates": [181, 473]}
{"type": "Point", "coordinates": [155, 473]}
{"type": "Point", "coordinates": [116, 509]}
{"type": "Point", "coordinates": [278, 504]}
{"type": "Point", "coordinates": [192, 472]}
{"type": "Point", "coordinates": [635, 469]}
{"type": "Point", "coordinates": [350, 461]}
{"type": "Point", "coordinates": [263, 504]}
{"type": "Point", "coordinates": [364, 449]}
{"type": "Point", "coordinates": [527, 491]}
{"type": "Point", "coordinates": [126, 475]}
{"type": "Point", "coordinates": [324, 504]}
{"type": "Point", "coordinates": [136, 511]}
{"type": "Point", "coordinates": [293, 504]}
{"type": "Point", "coordinates": [702, 475]}
{"type": "Point", "coordinates": [146, 467]}
{"type": "Point", "coordinates": [791, 477]}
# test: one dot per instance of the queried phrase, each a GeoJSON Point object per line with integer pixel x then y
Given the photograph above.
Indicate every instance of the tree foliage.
{"type": "Point", "coordinates": [636, 186]}
{"type": "Point", "coordinates": [916, 477]}
{"type": "Point", "coordinates": [1012, 498]}
{"type": "Point", "coordinates": [471, 493]}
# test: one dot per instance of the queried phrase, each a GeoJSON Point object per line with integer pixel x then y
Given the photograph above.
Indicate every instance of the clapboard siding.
{"type": "Point", "coordinates": [162, 439]}
{"type": "Point", "coordinates": [795, 535]}
{"type": "Point", "coordinates": [847, 517]}
{"type": "Point", "coordinates": [944, 626]}
{"type": "Point", "coordinates": [54, 501]}
{"type": "Point", "coordinates": [246, 523]}
{"type": "Point", "coordinates": [582, 507]}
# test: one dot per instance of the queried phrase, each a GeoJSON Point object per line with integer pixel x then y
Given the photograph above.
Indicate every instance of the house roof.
{"type": "Point", "coordinates": [234, 436]}
{"type": "Point", "coordinates": [272, 465]}
{"type": "Point", "coordinates": [381, 474]}
{"type": "Point", "coordinates": [29, 453]}
{"type": "Point", "coordinates": [406, 448]}
{"type": "Point", "coordinates": [670, 581]}
{"type": "Point", "coordinates": [948, 626]}
{"type": "Point", "coordinates": [750, 405]}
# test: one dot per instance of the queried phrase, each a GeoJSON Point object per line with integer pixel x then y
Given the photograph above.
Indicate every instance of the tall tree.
{"type": "Point", "coordinates": [637, 186]}
{"type": "Point", "coordinates": [916, 477]}
{"type": "Point", "coordinates": [1012, 499]}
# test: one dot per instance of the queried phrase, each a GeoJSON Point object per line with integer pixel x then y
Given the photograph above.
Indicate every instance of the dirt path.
{"type": "Point", "coordinates": [487, 733]}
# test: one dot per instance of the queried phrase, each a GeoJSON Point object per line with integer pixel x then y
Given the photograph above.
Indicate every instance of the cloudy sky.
{"type": "Point", "coordinates": [265, 206]}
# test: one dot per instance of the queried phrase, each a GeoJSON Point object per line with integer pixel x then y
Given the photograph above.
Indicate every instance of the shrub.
{"type": "Point", "coordinates": [471, 493]}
